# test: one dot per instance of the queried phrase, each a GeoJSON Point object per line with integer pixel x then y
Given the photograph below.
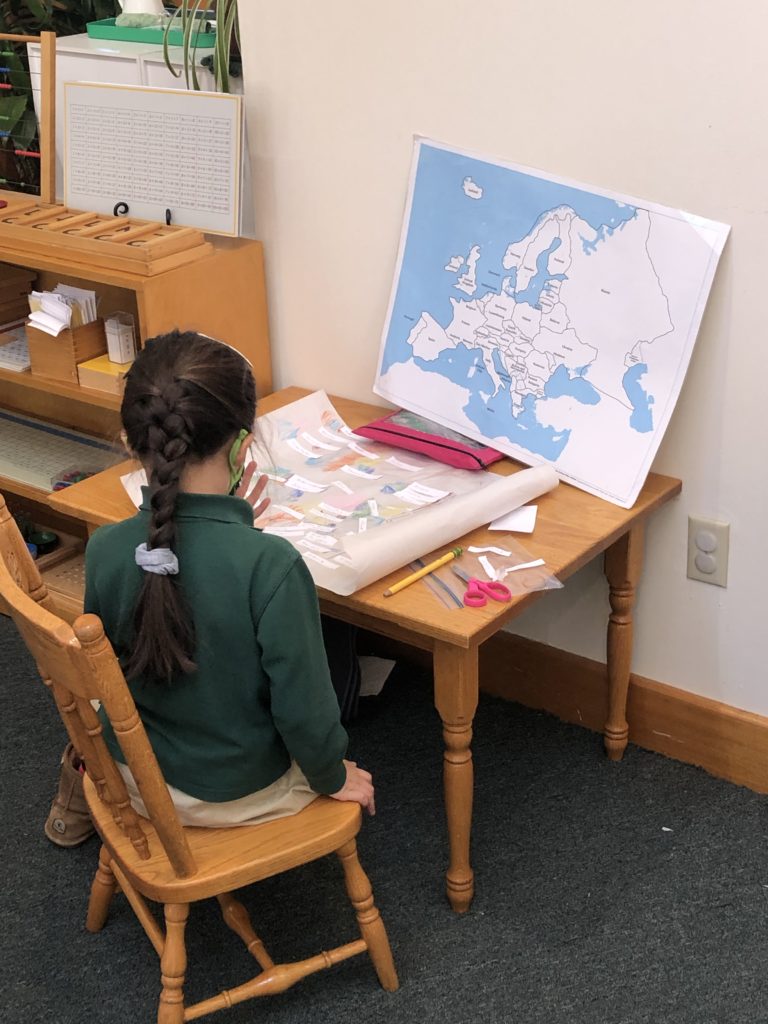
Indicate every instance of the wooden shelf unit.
{"type": "Point", "coordinates": [221, 292]}
{"type": "Point", "coordinates": [61, 388]}
{"type": "Point", "coordinates": [27, 492]}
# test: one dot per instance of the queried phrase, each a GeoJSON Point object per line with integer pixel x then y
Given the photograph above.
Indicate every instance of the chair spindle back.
{"type": "Point", "coordinates": [20, 564]}
{"type": "Point", "coordinates": [78, 665]}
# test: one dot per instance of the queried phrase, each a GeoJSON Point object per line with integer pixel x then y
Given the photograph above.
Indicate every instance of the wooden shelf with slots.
{"type": "Point", "coordinates": [167, 277]}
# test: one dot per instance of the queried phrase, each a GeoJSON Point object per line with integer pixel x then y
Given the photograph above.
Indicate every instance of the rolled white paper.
{"type": "Point", "coordinates": [378, 552]}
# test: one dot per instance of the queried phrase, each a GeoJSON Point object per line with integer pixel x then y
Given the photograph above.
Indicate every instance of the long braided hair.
{"type": "Point", "coordinates": [186, 396]}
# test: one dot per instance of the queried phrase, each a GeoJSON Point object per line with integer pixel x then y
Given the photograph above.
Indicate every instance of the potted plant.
{"type": "Point", "coordinates": [18, 123]}
{"type": "Point", "coordinates": [192, 17]}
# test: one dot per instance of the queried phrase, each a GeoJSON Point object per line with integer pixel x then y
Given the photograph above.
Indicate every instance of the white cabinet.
{"type": "Point", "coordinates": [156, 73]}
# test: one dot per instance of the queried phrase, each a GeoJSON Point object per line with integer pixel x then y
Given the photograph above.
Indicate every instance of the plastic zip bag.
{"type": "Point", "coordinates": [499, 562]}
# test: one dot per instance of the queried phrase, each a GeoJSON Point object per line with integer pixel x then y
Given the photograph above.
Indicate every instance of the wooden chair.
{"type": "Point", "coordinates": [158, 859]}
{"type": "Point", "coordinates": [20, 564]}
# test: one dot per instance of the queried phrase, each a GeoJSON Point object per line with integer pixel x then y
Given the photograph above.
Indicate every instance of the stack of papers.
{"type": "Point", "coordinates": [66, 306]}
{"type": "Point", "coordinates": [14, 351]}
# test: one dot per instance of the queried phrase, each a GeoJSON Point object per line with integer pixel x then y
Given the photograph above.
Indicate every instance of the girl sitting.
{"type": "Point", "coordinates": [216, 624]}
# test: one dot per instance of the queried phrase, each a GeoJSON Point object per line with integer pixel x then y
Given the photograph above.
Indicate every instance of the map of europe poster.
{"type": "Point", "coordinates": [549, 319]}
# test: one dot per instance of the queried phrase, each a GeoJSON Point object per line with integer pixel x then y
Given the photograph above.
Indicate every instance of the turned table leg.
{"type": "Point", "coordinates": [623, 565]}
{"type": "Point", "coordinates": [456, 689]}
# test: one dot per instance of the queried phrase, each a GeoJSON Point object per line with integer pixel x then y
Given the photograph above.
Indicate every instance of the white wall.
{"type": "Point", "coordinates": [659, 100]}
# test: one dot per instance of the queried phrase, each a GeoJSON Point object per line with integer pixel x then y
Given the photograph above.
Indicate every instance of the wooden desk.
{"type": "Point", "coordinates": [572, 528]}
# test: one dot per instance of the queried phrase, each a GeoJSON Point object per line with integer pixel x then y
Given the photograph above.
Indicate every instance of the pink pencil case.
{"type": "Point", "coordinates": [403, 429]}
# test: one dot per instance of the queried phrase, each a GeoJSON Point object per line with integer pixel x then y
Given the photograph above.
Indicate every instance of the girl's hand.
{"type": "Point", "coordinates": [254, 499]}
{"type": "Point", "coordinates": [358, 788]}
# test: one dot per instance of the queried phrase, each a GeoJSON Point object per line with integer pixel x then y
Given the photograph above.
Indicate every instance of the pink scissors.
{"type": "Point", "coordinates": [478, 591]}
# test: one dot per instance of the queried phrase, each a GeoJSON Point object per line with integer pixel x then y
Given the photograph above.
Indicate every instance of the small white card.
{"type": "Point", "coordinates": [374, 673]}
{"type": "Point", "coordinates": [133, 482]}
{"type": "Point", "coordinates": [522, 520]}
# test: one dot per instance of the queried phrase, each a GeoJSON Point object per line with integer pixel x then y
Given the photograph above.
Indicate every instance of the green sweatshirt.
{"type": "Point", "coordinates": [262, 693]}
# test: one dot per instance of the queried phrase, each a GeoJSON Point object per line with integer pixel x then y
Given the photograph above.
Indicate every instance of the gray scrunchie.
{"type": "Point", "coordinates": [161, 561]}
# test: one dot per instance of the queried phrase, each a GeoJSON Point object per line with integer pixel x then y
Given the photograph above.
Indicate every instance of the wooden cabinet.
{"type": "Point", "coordinates": [219, 291]}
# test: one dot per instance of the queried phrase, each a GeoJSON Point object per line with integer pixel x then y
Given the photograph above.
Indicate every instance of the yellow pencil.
{"type": "Point", "coordinates": [454, 553]}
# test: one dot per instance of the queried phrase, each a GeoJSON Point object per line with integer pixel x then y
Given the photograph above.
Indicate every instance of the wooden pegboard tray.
{"type": "Point", "coordinates": [119, 243]}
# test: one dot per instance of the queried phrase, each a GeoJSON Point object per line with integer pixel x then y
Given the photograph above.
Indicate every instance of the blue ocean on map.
{"type": "Point", "coordinates": [446, 222]}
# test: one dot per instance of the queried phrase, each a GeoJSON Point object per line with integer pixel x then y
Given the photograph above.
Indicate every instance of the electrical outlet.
{"type": "Point", "coordinates": [708, 550]}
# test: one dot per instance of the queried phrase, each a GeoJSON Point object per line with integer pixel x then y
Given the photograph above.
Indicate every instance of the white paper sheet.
{"type": "Point", "coordinates": [522, 520]}
{"type": "Point", "coordinates": [133, 482]}
{"type": "Point", "coordinates": [156, 150]}
{"type": "Point", "coordinates": [374, 673]}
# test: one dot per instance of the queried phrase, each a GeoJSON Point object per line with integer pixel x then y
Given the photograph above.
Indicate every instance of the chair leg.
{"type": "Point", "coordinates": [368, 918]}
{"type": "Point", "coordinates": [102, 890]}
{"type": "Point", "coordinates": [236, 917]}
{"type": "Point", "coordinates": [173, 965]}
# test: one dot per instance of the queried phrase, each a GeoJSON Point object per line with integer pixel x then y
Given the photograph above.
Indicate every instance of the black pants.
{"type": "Point", "coordinates": [341, 647]}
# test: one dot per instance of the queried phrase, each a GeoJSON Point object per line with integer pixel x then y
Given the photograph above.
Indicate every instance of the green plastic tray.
{"type": "Point", "coordinates": [107, 29]}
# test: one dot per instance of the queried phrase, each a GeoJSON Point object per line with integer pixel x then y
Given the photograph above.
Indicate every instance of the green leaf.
{"type": "Point", "coordinates": [198, 22]}
{"type": "Point", "coordinates": [187, 16]}
{"type": "Point", "coordinates": [19, 76]}
{"type": "Point", "coordinates": [166, 37]}
{"type": "Point", "coordinates": [26, 130]}
{"type": "Point", "coordinates": [11, 111]}
{"type": "Point", "coordinates": [225, 12]}
{"type": "Point", "coordinates": [39, 11]}
{"type": "Point", "coordinates": [187, 23]}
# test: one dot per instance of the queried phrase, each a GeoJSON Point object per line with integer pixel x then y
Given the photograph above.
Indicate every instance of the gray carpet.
{"type": "Point", "coordinates": [623, 894]}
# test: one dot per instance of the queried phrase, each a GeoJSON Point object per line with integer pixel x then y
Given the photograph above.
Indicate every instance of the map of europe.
{"type": "Point", "coordinates": [550, 320]}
